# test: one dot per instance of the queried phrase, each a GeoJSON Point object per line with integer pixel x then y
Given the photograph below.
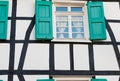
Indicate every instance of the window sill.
{"type": "Point", "coordinates": [71, 40]}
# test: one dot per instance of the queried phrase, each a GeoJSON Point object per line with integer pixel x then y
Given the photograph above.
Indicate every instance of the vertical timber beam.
{"type": "Point", "coordinates": [51, 59]}
{"type": "Point", "coordinates": [12, 41]}
{"type": "Point", "coordinates": [71, 57]}
{"type": "Point", "coordinates": [91, 58]}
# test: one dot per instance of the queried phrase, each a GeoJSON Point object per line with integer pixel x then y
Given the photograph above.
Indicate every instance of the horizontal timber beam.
{"type": "Point", "coordinates": [59, 72]}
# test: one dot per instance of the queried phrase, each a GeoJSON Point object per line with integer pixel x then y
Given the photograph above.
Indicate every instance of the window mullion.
{"type": "Point", "coordinates": [69, 21]}
{"type": "Point", "coordinates": [70, 27]}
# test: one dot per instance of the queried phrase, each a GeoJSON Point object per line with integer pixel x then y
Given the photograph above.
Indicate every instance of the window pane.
{"type": "Point", "coordinates": [62, 27]}
{"type": "Point", "coordinates": [81, 29]}
{"type": "Point", "coordinates": [59, 29]}
{"type": "Point", "coordinates": [62, 35]}
{"type": "Point", "coordinates": [61, 9]}
{"type": "Point", "coordinates": [78, 35]}
{"type": "Point", "coordinates": [77, 21]}
{"type": "Point", "coordinates": [77, 24]}
{"type": "Point", "coordinates": [77, 27]}
{"type": "Point", "coordinates": [62, 23]}
{"type": "Point", "coordinates": [76, 9]}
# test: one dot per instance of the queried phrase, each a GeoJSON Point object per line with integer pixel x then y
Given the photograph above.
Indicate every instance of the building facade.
{"type": "Point", "coordinates": [59, 40]}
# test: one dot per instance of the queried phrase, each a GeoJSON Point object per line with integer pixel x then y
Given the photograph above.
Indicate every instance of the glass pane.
{"type": "Point", "coordinates": [61, 9]}
{"type": "Point", "coordinates": [78, 35]}
{"type": "Point", "coordinates": [74, 29]}
{"type": "Point", "coordinates": [77, 24]}
{"type": "Point", "coordinates": [76, 9]}
{"type": "Point", "coordinates": [62, 35]}
{"type": "Point", "coordinates": [62, 29]}
{"type": "Point", "coordinates": [61, 24]}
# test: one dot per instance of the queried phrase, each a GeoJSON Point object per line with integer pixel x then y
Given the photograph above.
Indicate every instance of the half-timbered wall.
{"type": "Point", "coordinates": [22, 58]}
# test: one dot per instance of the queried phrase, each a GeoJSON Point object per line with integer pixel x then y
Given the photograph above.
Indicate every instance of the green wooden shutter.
{"type": "Point", "coordinates": [45, 80]}
{"type": "Point", "coordinates": [97, 27]}
{"type": "Point", "coordinates": [98, 79]}
{"type": "Point", "coordinates": [43, 26]}
{"type": "Point", "coordinates": [3, 18]}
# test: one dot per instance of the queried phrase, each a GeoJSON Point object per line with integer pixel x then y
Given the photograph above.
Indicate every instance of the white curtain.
{"type": "Point", "coordinates": [62, 25]}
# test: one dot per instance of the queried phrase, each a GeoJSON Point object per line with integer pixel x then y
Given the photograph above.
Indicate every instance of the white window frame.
{"type": "Point", "coordinates": [71, 78]}
{"type": "Point", "coordinates": [85, 19]}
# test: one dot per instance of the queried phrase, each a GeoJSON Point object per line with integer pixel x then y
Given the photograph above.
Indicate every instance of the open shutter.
{"type": "Point", "coordinates": [43, 26]}
{"type": "Point", "coordinates": [3, 18]}
{"type": "Point", "coordinates": [45, 80]}
{"type": "Point", "coordinates": [98, 79]}
{"type": "Point", "coordinates": [97, 27]}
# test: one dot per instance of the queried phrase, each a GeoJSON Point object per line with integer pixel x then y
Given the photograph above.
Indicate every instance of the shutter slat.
{"type": "Point", "coordinates": [3, 19]}
{"type": "Point", "coordinates": [43, 29]}
{"type": "Point", "coordinates": [97, 25]}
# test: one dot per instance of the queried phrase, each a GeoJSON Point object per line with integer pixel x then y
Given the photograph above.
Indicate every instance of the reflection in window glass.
{"type": "Point", "coordinates": [61, 9]}
{"type": "Point", "coordinates": [76, 9]}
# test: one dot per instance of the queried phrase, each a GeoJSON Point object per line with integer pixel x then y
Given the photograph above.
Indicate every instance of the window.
{"type": "Point", "coordinates": [70, 21]}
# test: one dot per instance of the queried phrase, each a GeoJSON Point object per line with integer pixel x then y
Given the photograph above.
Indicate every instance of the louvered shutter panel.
{"type": "Point", "coordinates": [97, 27]}
{"type": "Point", "coordinates": [45, 80]}
{"type": "Point", "coordinates": [43, 26]}
{"type": "Point", "coordinates": [98, 79]}
{"type": "Point", "coordinates": [3, 18]}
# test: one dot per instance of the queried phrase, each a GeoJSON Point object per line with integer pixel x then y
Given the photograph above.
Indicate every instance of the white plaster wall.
{"type": "Point", "coordinates": [18, 50]}
{"type": "Point", "coordinates": [112, 10]}
{"type": "Point", "coordinates": [35, 77]}
{"type": "Point", "coordinates": [37, 57]}
{"type": "Point", "coordinates": [10, 8]}
{"type": "Point", "coordinates": [25, 8]}
{"type": "Point", "coordinates": [116, 30]}
{"type": "Point", "coordinates": [4, 56]}
{"type": "Point", "coordinates": [8, 29]}
{"type": "Point", "coordinates": [3, 77]}
{"type": "Point", "coordinates": [15, 78]}
{"type": "Point", "coordinates": [62, 59]}
{"type": "Point", "coordinates": [81, 60]}
{"type": "Point", "coordinates": [21, 29]}
{"type": "Point", "coordinates": [105, 58]}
